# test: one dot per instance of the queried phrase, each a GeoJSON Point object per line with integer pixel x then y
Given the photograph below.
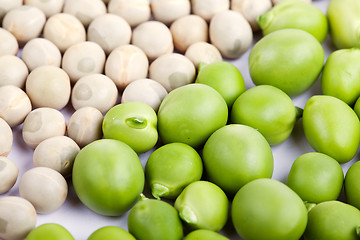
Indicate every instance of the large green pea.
{"type": "Point", "coordinates": [223, 77]}
{"type": "Point", "coordinates": [333, 220]}
{"type": "Point", "coordinates": [203, 205]}
{"type": "Point", "coordinates": [316, 177]}
{"type": "Point", "coordinates": [295, 14]}
{"type": "Point", "coordinates": [235, 155]}
{"type": "Point", "coordinates": [190, 114]}
{"type": "Point", "coordinates": [331, 127]}
{"type": "Point", "coordinates": [290, 59]}
{"type": "Point", "coordinates": [171, 168]}
{"type": "Point", "coordinates": [48, 231]}
{"type": "Point", "coordinates": [108, 177]}
{"type": "Point", "coordinates": [343, 17]}
{"type": "Point", "coordinates": [111, 233]}
{"type": "Point", "coordinates": [152, 219]}
{"type": "Point", "coordinates": [341, 75]}
{"type": "Point", "coordinates": [204, 234]}
{"type": "Point", "coordinates": [267, 109]}
{"type": "Point", "coordinates": [352, 186]}
{"type": "Point", "coordinates": [266, 209]}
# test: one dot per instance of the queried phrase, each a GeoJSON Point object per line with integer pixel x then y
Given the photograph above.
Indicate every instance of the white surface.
{"type": "Point", "coordinates": [81, 222]}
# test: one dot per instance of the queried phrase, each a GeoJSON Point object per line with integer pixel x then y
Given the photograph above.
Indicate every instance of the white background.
{"type": "Point", "coordinates": [81, 222]}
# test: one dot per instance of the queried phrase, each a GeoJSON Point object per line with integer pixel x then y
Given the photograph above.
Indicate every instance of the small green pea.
{"type": "Point", "coordinates": [204, 234]}
{"type": "Point", "coordinates": [171, 168]}
{"type": "Point", "coordinates": [111, 233]}
{"type": "Point", "coordinates": [48, 231]}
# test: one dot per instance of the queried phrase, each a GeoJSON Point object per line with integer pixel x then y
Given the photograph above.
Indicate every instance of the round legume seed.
{"type": "Point", "coordinates": [13, 71]}
{"type": "Point", "coordinates": [9, 44]}
{"type": "Point", "coordinates": [8, 174]}
{"type": "Point", "coordinates": [6, 138]}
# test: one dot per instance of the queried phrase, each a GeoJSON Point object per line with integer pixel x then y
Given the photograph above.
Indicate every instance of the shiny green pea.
{"type": "Point", "coordinates": [48, 231]}
{"type": "Point", "coordinates": [204, 234]}
{"type": "Point", "coordinates": [170, 168]}
{"type": "Point", "coordinates": [111, 233]}
{"type": "Point", "coordinates": [352, 186]}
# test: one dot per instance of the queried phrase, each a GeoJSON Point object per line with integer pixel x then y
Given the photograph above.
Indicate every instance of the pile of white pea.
{"type": "Point", "coordinates": [85, 56]}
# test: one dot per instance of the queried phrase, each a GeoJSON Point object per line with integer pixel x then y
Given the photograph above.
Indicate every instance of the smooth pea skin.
{"type": "Point", "coordinates": [316, 177]}
{"type": "Point", "coordinates": [134, 123]}
{"type": "Point", "coordinates": [108, 177]}
{"type": "Point", "coordinates": [235, 155]}
{"type": "Point", "coordinates": [203, 205]}
{"type": "Point", "coordinates": [171, 167]}
{"type": "Point", "coordinates": [266, 209]}
{"type": "Point", "coordinates": [204, 234]}
{"type": "Point", "coordinates": [351, 185]}
{"type": "Point", "coordinates": [223, 77]}
{"type": "Point", "coordinates": [48, 231]}
{"type": "Point", "coordinates": [333, 220]}
{"type": "Point", "coordinates": [341, 75]}
{"type": "Point", "coordinates": [295, 14]}
{"type": "Point", "coordinates": [267, 109]}
{"type": "Point", "coordinates": [190, 114]}
{"type": "Point", "coordinates": [111, 233]}
{"type": "Point", "coordinates": [152, 219]}
{"type": "Point", "coordinates": [290, 59]}
{"type": "Point", "coordinates": [344, 28]}
{"type": "Point", "coordinates": [331, 127]}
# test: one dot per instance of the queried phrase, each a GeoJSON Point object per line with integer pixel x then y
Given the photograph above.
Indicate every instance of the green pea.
{"type": "Point", "coordinates": [235, 155]}
{"type": "Point", "coordinates": [223, 77]}
{"type": "Point", "coordinates": [316, 177]}
{"type": "Point", "coordinates": [290, 59]}
{"type": "Point", "coordinates": [108, 177]}
{"type": "Point", "coordinates": [295, 14]}
{"type": "Point", "coordinates": [351, 185]}
{"type": "Point", "coordinates": [331, 127]}
{"type": "Point", "coordinates": [134, 123]}
{"type": "Point", "coordinates": [152, 219]}
{"type": "Point", "coordinates": [333, 220]}
{"type": "Point", "coordinates": [267, 109]}
{"type": "Point", "coordinates": [203, 205]}
{"type": "Point", "coordinates": [190, 114]}
{"type": "Point", "coordinates": [343, 17]}
{"type": "Point", "coordinates": [357, 107]}
{"type": "Point", "coordinates": [341, 75]}
{"type": "Point", "coordinates": [268, 209]}
{"type": "Point", "coordinates": [111, 233]}
{"type": "Point", "coordinates": [48, 231]}
{"type": "Point", "coordinates": [171, 168]}
{"type": "Point", "coordinates": [204, 234]}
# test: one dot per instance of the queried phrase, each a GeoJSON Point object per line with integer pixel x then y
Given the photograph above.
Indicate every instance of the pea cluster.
{"type": "Point", "coordinates": [163, 119]}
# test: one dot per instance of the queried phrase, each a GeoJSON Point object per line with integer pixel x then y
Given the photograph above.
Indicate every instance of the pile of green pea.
{"type": "Point", "coordinates": [164, 119]}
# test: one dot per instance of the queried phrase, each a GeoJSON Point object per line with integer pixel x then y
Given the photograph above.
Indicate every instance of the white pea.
{"type": "Point", "coordinates": [82, 59]}
{"type": "Point", "coordinates": [58, 153]}
{"type": "Point", "coordinates": [154, 38]}
{"type": "Point", "coordinates": [85, 125]}
{"type": "Point", "coordinates": [6, 138]}
{"type": "Point", "coordinates": [45, 188]}
{"type": "Point", "coordinates": [8, 174]}
{"type": "Point", "coordinates": [144, 90]}
{"type": "Point", "coordinates": [134, 11]}
{"type": "Point", "coordinates": [64, 30]}
{"type": "Point", "coordinates": [231, 33]}
{"type": "Point", "coordinates": [14, 105]}
{"type": "Point", "coordinates": [13, 71]}
{"type": "Point", "coordinates": [172, 71]}
{"type": "Point", "coordinates": [207, 9]}
{"type": "Point", "coordinates": [48, 86]}
{"type": "Point", "coordinates": [42, 123]}
{"type": "Point", "coordinates": [109, 31]}
{"type": "Point", "coordinates": [49, 7]}
{"type": "Point", "coordinates": [167, 11]}
{"type": "Point", "coordinates": [251, 10]}
{"type": "Point", "coordinates": [197, 30]}
{"type": "Point", "coordinates": [7, 5]}
{"type": "Point", "coordinates": [203, 52]}
{"type": "Point", "coordinates": [17, 218]}
{"type": "Point", "coordinates": [125, 64]}
{"type": "Point", "coordinates": [94, 90]}
{"type": "Point", "coordinates": [24, 22]}
{"type": "Point", "coordinates": [9, 44]}
{"type": "Point", "coordinates": [40, 51]}
{"type": "Point", "coordinates": [85, 10]}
